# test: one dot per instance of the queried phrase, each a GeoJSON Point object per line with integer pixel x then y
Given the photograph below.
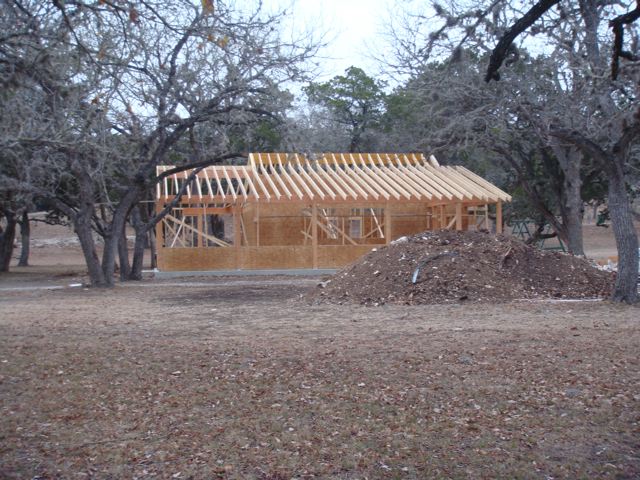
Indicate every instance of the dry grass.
{"type": "Point", "coordinates": [245, 380]}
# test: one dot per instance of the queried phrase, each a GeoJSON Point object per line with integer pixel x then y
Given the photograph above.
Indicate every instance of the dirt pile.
{"type": "Point", "coordinates": [448, 266]}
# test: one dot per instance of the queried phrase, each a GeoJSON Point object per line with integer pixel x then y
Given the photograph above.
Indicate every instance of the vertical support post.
{"type": "Point", "coordinates": [499, 217]}
{"type": "Point", "coordinates": [486, 216]}
{"type": "Point", "coordinates": [160, 242]}
{"type": "Point", "coordinates": [314, 234]}
{"type": "Point", "coordinates": [443, 223]}
{"type": "Point", "coordinates": [257, 224]}
{"type": "Point", "coordinates": [459, 216]}
{"type": "Point", "coordinates": [205, 228]}
{"type": "Point", "coordinates": [387, 223]}
{"type": "Point", "coordinates": [237, 233]}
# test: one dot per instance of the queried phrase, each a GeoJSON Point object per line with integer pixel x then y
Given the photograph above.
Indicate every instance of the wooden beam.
{"type": "Point", "coordinates": [266, 175]}
{"type": "Point", "coordinates": [318, 181]}
{"type": "Point", "coordinates": [278, 177]}
{"type": "Point", "coordinates": [387, 223]}
{"type": "Point", "coordinates": [339, 230]}
{"type": "Point", "coordinates": [301, 181]}
{"type": "Point", "coordinates": [252, 187]}
{"type": "Point", "coordinates": [219, 183]}
{"type": "Point", "coordinates": [459, 216]}
{"type": "Point", "coordinates": [314, 234]}
{"type": "Point", "coordinates": [258, 225]}
{"type": "Point", "coordinates": [182, 224]}
{"type": "Point", "coordinates": [240, 183]}
{"type": "Point", "coordinates": [237, 233]}
{"type": "Point", "coordinates": [499, 217]}
{"type": "Point", "coordinates": [230, 185]}
{"type": "Point", "coordinates": [208, 181]}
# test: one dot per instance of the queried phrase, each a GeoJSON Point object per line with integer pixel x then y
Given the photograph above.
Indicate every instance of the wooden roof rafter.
{"type": "Point", "coordinates": [349, 177]}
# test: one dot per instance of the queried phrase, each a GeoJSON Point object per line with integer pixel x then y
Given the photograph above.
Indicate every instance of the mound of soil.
{"type": "Point", "coordinates": [449, 266]}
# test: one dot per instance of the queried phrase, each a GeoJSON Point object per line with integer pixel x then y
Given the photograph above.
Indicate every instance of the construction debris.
{"type": "Point", "coordinates": [449, 266]}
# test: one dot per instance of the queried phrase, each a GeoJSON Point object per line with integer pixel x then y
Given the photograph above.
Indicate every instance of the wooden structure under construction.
{"type": "Point", "coordinates": [289, 211]}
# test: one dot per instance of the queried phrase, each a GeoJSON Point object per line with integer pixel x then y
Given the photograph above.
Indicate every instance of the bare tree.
{"type": "Point", "coordinates": [593, 115]}
{"type": "Point", "coordinates": [127, 83]}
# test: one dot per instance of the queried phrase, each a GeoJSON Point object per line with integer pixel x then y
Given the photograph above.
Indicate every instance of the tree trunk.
{"type": "Point", "coordinates": [123, 256]}
{"type": "Point", "coordinates": [138, 256]}
{"type": "Point", "coordinates": [7, 237]}
{"type": "Point", "coordinates": [82, 224]}
{"type": "Point", "coordinates": [570, 161]}
{"type": "Point", "coordinates": [626, 285]}
{"type": "Point", "coordinates": [139, 245]}
{"type": "Point", "coordinates": [145, 216]}
{"type": "Point", "coordinates": [153, 248]}
{"type": "Point", "coordinates": [116, 229]}
{"type": "Point", "coordinates": [25, 238]}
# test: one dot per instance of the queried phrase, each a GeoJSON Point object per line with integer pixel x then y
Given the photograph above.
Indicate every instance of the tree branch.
{"type": "Point", "coordinates": [501, 50]}
{"type": "Point", "coordinates": [618, 34]}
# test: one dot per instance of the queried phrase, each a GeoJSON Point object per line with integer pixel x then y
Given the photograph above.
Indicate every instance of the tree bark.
{"type": "Point", "coordinates": [570, 161]}
{"type": "Point", "coordinates": [116, 229]}
{"type": "Point", "coordinates": [7, 237]}
{"type": "Point", "coordinates": [153, 248]}
{"type": "Point", "coordinates": [626, 285]}
{"type": "Point", "coordinates": [25, 239]}
{"type": "Point", "coordinates": [82, 225]}
{"type": "Point", "coordinates": [138, 249]}
{"type": "Point", "coordinates": [123, 256]}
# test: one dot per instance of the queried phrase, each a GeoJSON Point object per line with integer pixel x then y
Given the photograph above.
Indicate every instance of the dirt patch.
{"type": "Point", "coordinates": [448, 266]}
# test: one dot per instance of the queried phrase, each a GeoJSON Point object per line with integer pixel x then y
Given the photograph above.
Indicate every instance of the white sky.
{"type": "Point", "coordinates": [352, 29]}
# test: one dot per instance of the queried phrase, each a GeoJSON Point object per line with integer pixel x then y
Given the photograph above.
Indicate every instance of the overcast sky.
{"type": "Point", "coordinates": [352, 27]}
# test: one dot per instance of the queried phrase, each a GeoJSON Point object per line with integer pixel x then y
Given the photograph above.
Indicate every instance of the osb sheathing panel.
{"type": "Point", "coordinates": [401, 226]}
{"type": "Point", "coordinates": [257, 258]}
{"type": "Point", "coordinates": [339, 255]}
{"type": "Point", "coordinates": [186, 259]}
{"type": "Point", "coordinates": [279, 224]}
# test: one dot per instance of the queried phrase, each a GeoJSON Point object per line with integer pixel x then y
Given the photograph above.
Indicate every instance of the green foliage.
{"type": "Point", "coordinates": [355, 100]}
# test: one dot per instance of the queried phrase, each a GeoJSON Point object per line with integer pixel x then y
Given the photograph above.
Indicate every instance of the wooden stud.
{"type": "Point", "coordinates": [375, 219]}
{"type": "Point", "coordinates": [445, 181]}
{"type": "Point", "coordinates": [387, 223]}
{"type": "Point", "coordinates": [219, 184]}
{"type": "Point", "coordinates": [471, 189]}
{"type": "Point", "coordinates": [230, 188]}
{"type": "Point", "coordinates": [314, 234]}
{"type": "Point", "coordinates": [256, 176]}
{"type": "Point", "coordinates": [284, 173]}
{"type": "Point", "coordinates": [428, 182]}
{"type": "Point", "coordinates": [382, 181]}
{"type": "Point", "coordinates": [258, 225]}
{"type": "Point", "coordinates": [240, 184]}
{"type": "Point", "coordinates": [300, 180]}
{"type": "Point", "coordinates": [266, 175]}
{"type": "Point", "coordinates": [250, 185]}
{"type": "Point", "coordinates": [497, 194]}
{"type": "Point", "coordinates": [371, 185]}
{"type": "Point", "coordinates": [309, 173]}
{"type": "Point", "coordinates": [186, 226]}
{"type": "Point", "coordinates": [237, 233]}
{"type": "Point", "coordinates": [459, 216]}
{"type": "Point", "coordinates": [208, 182]}
{"type": "Point", "coordinates": [278, 177]}
{"type": "Point", "coordinates": [327, 176]}
{"type": "Point", "coordinates": [499, 217]}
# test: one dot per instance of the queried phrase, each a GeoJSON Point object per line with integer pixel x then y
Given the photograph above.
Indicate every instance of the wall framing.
{"type": "Point", "coordinates": [288, 211]}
